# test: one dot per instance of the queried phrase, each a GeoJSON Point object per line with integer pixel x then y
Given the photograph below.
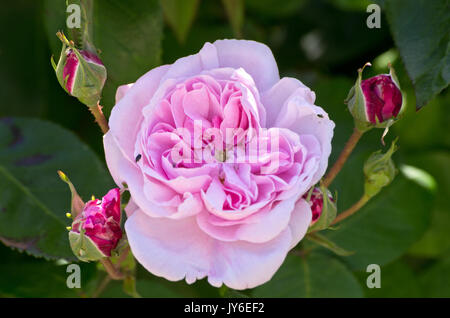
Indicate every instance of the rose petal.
{"type": "Point", "coordinates": [260, 227]}
{"type": "Point", "coordinates": [177, 249]}
{"type": "Point", "coordinates": [274, 98]}
{"type": "Point", "coordinates": [122, 90]}
{"type": "Point", "coordinates": [194, 64]}
{"type": "Point", "coordinates": [127, 113]}
{"type": "Point", "coordinates": [124, 171]}
{"type": "Point", "coordinates": [301, 116]}
{"type": "Point", "coordinates": [255, 58]}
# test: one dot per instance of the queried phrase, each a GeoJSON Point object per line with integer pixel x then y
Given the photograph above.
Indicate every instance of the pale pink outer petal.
{"type": "Point", "coordinates": [205, 59]}
{"type": "Point", "coordinates": [178, 249]}
{"type": "Point", "coordinates": [122, 90]}
{"type": "Point", "coordinates": [254, 57]}
{"type": "Point", "coordinates": [300, 115]}
{"type": "Point", "coordinates": [126, 115]}
{"type": "Point", "coordinates": [123, 170]}
{"type": "Point", "coordinates": [300, 220]}
{"type": "Point", "coordinates": [274, 98]}
{"type": "Point", "coordinates": [260, 227]}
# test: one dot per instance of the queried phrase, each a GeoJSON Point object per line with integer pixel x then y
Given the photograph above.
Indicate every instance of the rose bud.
{"type": "Point", "coordinates": [80, 72]}
{"type": "Point", "coordinates": [96, 230]}
{"type": "Point", "coordinates": [323, 209]}
{"type": "Point", "coordinates": [379, 171]}
{"type": "Point", "coordinates": [376, 101]}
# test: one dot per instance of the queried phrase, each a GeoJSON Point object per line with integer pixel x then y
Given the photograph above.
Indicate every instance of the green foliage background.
{"type": "Point", "coordinates": [321, 42]}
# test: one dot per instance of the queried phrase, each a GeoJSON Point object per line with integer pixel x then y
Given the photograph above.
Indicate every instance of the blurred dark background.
{"type": "Point", "coordinates": [320, 42]}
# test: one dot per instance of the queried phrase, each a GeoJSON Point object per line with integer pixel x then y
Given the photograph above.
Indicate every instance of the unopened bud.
{"type": "Point", "coordinates": [376, 101]}
{"type": "Point", "coordinates": [96, 230]}
{"type": "Point", "coordinates": [323, 209]}
{"type": "Point", "coordinates": [379, 171]}
{"type": "Point", "coordinates": [80, 72]}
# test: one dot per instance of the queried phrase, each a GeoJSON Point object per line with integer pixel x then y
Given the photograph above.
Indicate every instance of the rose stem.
{"type": "Point", "coordinates": [112, 271]}
{"type": "Point", "coordinates": [99, 117]}
{"type": "Point", "coordinates": [123, 256]}
{"type": "Point", "coordinates": [345, 153]}
{"type": "Point", "coordinates": [108, 277]}
{"type": "Point", "coordinates": [352, 210]}
{"type": "Point", "coordinates": [101, 287]}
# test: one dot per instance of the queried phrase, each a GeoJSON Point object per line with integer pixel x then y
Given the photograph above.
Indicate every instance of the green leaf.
{"type": "Point", "coordinates": [421, 32]}
{"type": "Point", "coordinates": [18, 98]}
{"type": "Point", "coordinates": [144, 288]}
{"type": "Point", "coordinates": [180, 14]}
{"type": "Point", "coordinates": [231, 293]}
{"type": "Point", "coordinates": [25, 276]}
{"type": "Point", "coordinates": [435, 281]}
{"type": "Point", "coordinates": [274, 8]}
{"type": "Point", "coordinates": [129, 34]}
{"type": "Point", "coordinates": [235, 13]}
{"type": "Point", "coordinates": [397, 280]}
{"type": "Point", "coordinates": [351, 5]}
{"type": "Point", "coordinates": [387, 225]}
{"type": "Point", "coordinates": [427, 128]}
{"type": "Point", "coordinates": [315, 275]}
{"type": "Point", "coordinates": [436, 240]}
{"type": "Point", "coordinates": [33, 200]}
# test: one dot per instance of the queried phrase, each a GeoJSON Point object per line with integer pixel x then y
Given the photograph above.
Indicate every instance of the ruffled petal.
{"type": "Point", "coordinates": [178, 249]}
{"type": "Point", "coordinates": [255, 58]}
{"type": "Point", "coordinates": [126, 115]}
{"type": "Point", "coordinates": [300, 115]}
{"type": "Point", "coordinates": [274, 98]}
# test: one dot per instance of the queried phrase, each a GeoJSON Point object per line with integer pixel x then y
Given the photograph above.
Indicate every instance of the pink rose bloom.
{"type": "Point", "coordinates": [201, 204]}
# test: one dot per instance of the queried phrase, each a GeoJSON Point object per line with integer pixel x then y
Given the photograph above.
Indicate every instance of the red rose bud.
{"type": "Point", "coordinates": [376, 101]}
{"type": "Point", "coordinates": [383, 98]}
{"type": "Point", "coordinates": [80, 72]}
{"type": "Point", "coordinates": [323, 209]}
{"type": "Point", "coordinates": [96, 230]}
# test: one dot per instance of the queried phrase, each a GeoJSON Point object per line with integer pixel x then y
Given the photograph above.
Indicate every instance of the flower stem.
{"type": "Point", "coordinates": [99, 117]}
{"type": "Point", "coordinates": [352, 210]}
{"type": "Point", "coordinates": [345, 153]}
{"type": "Point", "coordinates": [112, 271]}
{"type": "Point", "coordinates": [101, 287]}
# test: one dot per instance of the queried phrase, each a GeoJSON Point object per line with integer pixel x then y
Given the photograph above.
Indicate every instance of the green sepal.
{"type": "Point", "coordinates": [379, 171]}
{"type": "Point", "coordinates": [77, 204]}
{"type": "Point", "coordinates": [328, 244]}
{"type": "Point", "coordinates": [356, 104]}
{"type": "Point", "coordinates": [84, 248]}
{"type": "Point", "coordinates": [89, 79]}
{"type": "Point", "coordinates": [329, 211]}
{"type": "Point", "coordinates": [60, 66]}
